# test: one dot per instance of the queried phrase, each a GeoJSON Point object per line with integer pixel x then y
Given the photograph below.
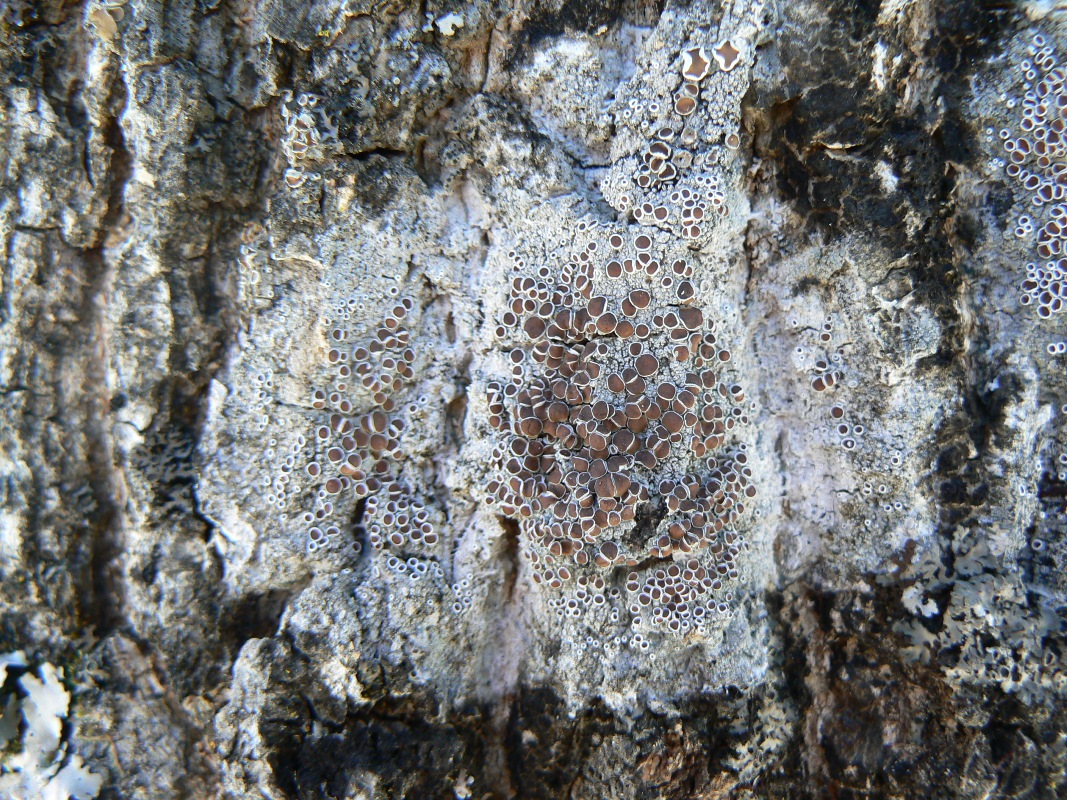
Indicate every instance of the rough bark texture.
{"type": "Point", "coordinates": [352, 445]}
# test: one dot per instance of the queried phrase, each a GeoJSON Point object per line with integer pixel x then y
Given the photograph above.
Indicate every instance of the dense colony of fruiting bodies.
{"type": "Point", "coordinates": [618, 448]}
{"type": "Point", "coordinates": [358, 444]}
{"type": "Point", "coordinates": [354, 448]}
{"type": "Point", "coordinates": [620, 400]}
{"type": "Point", "coordinates": [1036, 160]}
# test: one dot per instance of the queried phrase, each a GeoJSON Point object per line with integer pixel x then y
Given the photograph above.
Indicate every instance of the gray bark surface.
{"type": "Point", "coordinates": [543, 399]}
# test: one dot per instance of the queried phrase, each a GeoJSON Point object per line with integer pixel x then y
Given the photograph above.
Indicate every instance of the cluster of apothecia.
{"type": "Point", "coordinates": [1036, 157]}
{"type": "Point", "coordinates": [695, 67]}
{"type": "Point", "coordinates": [664, 196]}
{"type": "Point", "coordinates": [310, 135]}
{"type": "Point", "coordinates": [359, 448]}
{"type": "Point", "coordinates": [619, 400]}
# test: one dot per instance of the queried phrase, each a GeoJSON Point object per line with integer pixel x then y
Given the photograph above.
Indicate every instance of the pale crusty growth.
{"type": "Point", "coordinates": [998, 637]}
{"type": "Point", "coordinates": [983, 610]}
{"type": "Point", "coordinates": [37, 738]}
